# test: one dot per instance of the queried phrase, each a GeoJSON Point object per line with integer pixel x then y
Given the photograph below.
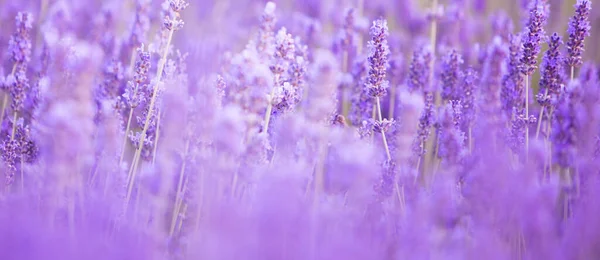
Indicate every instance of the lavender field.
{"type": "Point", "coordinates": [308, 130]}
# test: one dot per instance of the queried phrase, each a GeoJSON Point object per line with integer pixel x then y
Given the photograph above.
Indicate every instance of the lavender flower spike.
{"type": "Point", "coordinates": [538, 16]}
{"type": "Point", "coordinates": [565, 126]}
{"type": "Point", "coordinates": [552, 78]}
{"type": "Point", "coordinates": [418, 74]}
{"type": "Point", "coordinates": [450, 76]}
{"type": "Point", "coordinates": [579, 28]}
{"type": "Point", "coordinates": [533, 36]}
{"type": "Point", "coordinates": [266, 34]}
{"type": "Point", "coordinates": [20, 43]}
{"type": "Point", "coordinates": [379, 52]}
{"type": "Point", "coordinates": [377, 83]}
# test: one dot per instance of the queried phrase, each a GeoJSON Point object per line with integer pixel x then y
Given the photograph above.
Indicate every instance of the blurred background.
{"type": "Point", "coordinates": [215, 26]}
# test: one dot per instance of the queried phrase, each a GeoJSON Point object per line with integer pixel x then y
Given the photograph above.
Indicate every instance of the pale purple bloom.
{"type": "Point", "coordinates": [135, 89]}
{"type": "Point", "coordinates": [451, 138]}
{"type": "Point", "coordinates": [491, 78]}
{"type": "Point", "coordinates": [362, 103]}
{"type": "Point", "coordinates": [266, 34]}
{"type": "Point", "coordinates": [20, 43]}
{"type": "Point", "coordinates": [418, 75]}
{"type": "Point", "coordinates": [450, 76]}
{"type": "Point", "coordinates": [565, 126]}
{"type": "Point", "coordinates": [379, 52]}
{"type": "Point", "coordinates": [141, 24]}
{"type": "Point", "coordinates": [513, 82]}
{"type": "Point", "coordinates": [468, 83]}
{"type": "Point", "coordinates": [426, 121]}
{"type": "Point", "coordinates": [18, 87]}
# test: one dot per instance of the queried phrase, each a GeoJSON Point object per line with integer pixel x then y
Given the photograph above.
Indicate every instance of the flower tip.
{"type": "Point", "coordinates": [270, 8]}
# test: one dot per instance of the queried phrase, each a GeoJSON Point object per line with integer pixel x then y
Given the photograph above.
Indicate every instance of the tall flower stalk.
{"type": "Point", "coordinates": [377, 83]}
{"type": "Point", "coordinates": [551, 81]}
{"type": "Point", "coordinates": [579, 28]}
{"type": "Point", "coordinates": [133, 96]}
{"type": "Point", "coordinates": [19, 48]}
{"type": "Point", "coordinates": [532, 38]}
{"type": "Point", "coordinates": [171, 24]}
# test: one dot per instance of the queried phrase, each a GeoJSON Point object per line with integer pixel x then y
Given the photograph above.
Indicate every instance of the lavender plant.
{"type": "Point", "coordinates": [297, 130]}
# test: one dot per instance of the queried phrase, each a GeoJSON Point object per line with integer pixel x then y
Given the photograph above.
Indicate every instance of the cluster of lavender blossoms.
{"type": "Point", "coordinates": [219, 129]}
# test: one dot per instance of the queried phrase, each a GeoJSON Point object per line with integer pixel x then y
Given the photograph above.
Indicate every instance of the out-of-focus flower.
{"type": "Point", "coordinates": [450, 76]}
{"type": "Point", "coordinates": [20, 44]}
{"type": "Point", "coordinates": [418, 75]}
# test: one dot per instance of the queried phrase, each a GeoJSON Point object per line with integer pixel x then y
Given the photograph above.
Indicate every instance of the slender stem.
{"type": "Point", "coordinates": [4, 103]}
{"type": "Point", "coordinates": [400, 195]}
{"type": "Point", "coordinates": [345, 91]}
{"type": "Point", "coordinates": [539, 123]}
{"type": "Point", "coordinates": [14, 126]}
{"type": "Point", "coordinates": [470, 139]}
{"type": "Point", "coordinates": [200, 201]}
{"type": "Point", "coordinates": [234, 184]}
{"type": "Point", "coordinates": [418, 168]}
{"type": "Point", "coordinates": [22, 175]}
{"type": "Point", "coordinates": [572, 72]}
{"type": "Point", "coordinates": [126, 132]}
{"type": "Point", "coordinates": [527, 117]}
{"type": "Point", "coordinates": [268, 113]}
{"type": "Point", "coordinates": [180, 190]}
{"type": "Point", "coordinates": [385, 143]}
{"type": "Point", "coordinates": [156, 136]}
{"type": "Point", "coordinates": [138, 152]}
{"type": "Point", "coordinates": [5, 100]}
{"type": "Point", "coordinates": [433, 38]}
{"type": "Point", "coordinates": [132, 61]}
{"type": "Point", "coordinates": [135, 90]}
{"type": "Point", "coordinates": [183, 213]}
{"type": "Point", "coordinates": [438, 99]}
{"type": "Point", "coordinates": [392, 106]}
{"type": "Point", "coordinates": [270, 105]}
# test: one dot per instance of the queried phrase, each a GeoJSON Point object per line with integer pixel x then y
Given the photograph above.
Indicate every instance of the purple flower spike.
{"type": "Point", "coordinates": [18, 85]}
{"type": "Point", "coordinates": [491, 79]}
{"type": "Point", "coordinates": [424, 128]}
{"type": "Point", "coordinates": [379, 52]}
{"type": "Point", "coordinates": [173, 22]}
{"type": "Point", "coordinates": [418, 74]}
{"type": "Point", "coordinates": [450, 75]}
{"type": "Point", "coordinates": [134, 91]}
{"type": "Point", "coordinates": [579, 28]}
{"type": "Point", "coordinates": [19, 46]}
{"type": "Point", "coordinates": [552, 78]}
{"type": "Point", "coordinates": [565, 126]}
{"type": "Point", "coordinates": [533, 36]}
{"type": "Point", "coordinates": [266, 34]}
{"type": "Point", "coordinates": [513, 82]}
{"type": "Point", "coordinates": [469, 79]}
{"type": "Point", "coordinates": [141, 24]}
{"type": "Point", "coordinates": [451, 139]}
